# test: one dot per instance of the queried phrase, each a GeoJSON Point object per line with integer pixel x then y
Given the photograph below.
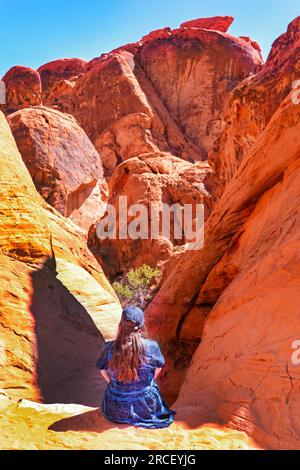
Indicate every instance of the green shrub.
{"type": "Point", "coordinates": [137, 286]}
{"type": "Point", "coordinates": [122, 290]}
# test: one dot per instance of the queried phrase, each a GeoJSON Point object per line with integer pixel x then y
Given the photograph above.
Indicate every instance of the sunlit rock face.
{"type": "Point", "coordinates": [164, 92]}
{"type": "Point", "coordinates": [218, 23]}
{"type": "Point", "coordinates": [252, 104]}
{"type": "Point", "coordinates": [246, 281]}
{"type": "Point", "coordinates": [63, 163]}
{"type": "Point", "coordinates": [256, 119]}
{"type": "Point", "coordinates": [150, 180]}
{"type": "Point", "coordinates": [57, 70]}
{"type": "Point", "coordinates": [192, 71]}
{"type": "Point", "coordinates": [23, 88]}
{"type": "Point", "coordinates": [55, 302]}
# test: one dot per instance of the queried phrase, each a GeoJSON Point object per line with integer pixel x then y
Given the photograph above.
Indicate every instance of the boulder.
{"type": "Point", "coordinates": [218, 23]}
{"type": "Point", "coordinates": [23, 89]}
{"type": "Point", "coordinates": [61, 69]}
{"type": "Point", "coordinates": [63, 163]}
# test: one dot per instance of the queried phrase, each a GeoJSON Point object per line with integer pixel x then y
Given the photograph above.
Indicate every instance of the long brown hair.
{"type": "Point", "coordinates": [128, 351]}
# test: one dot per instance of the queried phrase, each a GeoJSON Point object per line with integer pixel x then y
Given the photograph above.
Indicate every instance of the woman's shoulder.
{"type": "Point", "coordinates": [149, 341]}
{"type": "Point", "coordinates": [154, 354]}
{"type": "Point", "coordinates": [107, 345]}
{"type": "Point", "coordinates": [151, 344]}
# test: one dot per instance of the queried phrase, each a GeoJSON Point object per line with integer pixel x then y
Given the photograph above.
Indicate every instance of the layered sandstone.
{"type": "Point", "coordinates": [63, 163]}
{"type": "Point", "coordinates": [55, 302]}
{"type": "Point", "coordinates": [154, 178]}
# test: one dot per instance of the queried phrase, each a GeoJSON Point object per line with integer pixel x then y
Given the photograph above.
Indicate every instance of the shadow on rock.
{"type": "Point", "coordinates": [68, 342]}
{"type": "Point", "coordinates": [91, 421]}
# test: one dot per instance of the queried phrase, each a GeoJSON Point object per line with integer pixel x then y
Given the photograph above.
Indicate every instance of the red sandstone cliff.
{"type": "Point", "coordinates": [162, 93]}
{"type": "Point", "coordinates": [171, 78]}
{"type": "Point", "coordinates": [244, 283]}
{"type": "Point", "coordinates": [252, 104]}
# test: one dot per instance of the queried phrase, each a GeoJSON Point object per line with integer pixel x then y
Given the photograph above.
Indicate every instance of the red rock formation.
{"type": "Point", "coordinates": [61, 96]}
{"type": "Point", "coordinates": [114, 91]}
{"type": "Point", "coordinates": [157, 34]}
{"type": "Point", "coordinates": [248, 265]}
{"type": "Point", "coordinates": [61, 69]}
{"type": "Point", "coordinates": [192, 71]}
{"type": "Point", "coordinates": [252, 104]}
{"type": "Point", "coordinates": [182, 94]}
{"type": "Point", "coordinates": [120, 99]}
{"type": "Point", "coordinates": [254, 44]}
{"type": "Point", "coordinates": [239, 293]}
{"type": "Point", "coordinates": [128, 137]}
{"type": "Point", "coordinates": [218, 23]}
{"type": "Point", "coordinates": [23, 89]}
{"type": "Point", "coordinates": [148, 179]}
{"type": "Point", "coordinates": [65, 167]}
{"type": "Point", "coordinates": [55, 302]}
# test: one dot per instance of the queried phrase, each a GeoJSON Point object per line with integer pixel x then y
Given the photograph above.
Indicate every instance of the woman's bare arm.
{"type": "Point", "coordinates": [157, 372]}
{"type": "Point", "coordinates": [103, 372]}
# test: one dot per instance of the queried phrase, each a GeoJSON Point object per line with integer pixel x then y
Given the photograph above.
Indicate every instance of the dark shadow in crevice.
{"type": "Point", "coordinates": [67, 342]}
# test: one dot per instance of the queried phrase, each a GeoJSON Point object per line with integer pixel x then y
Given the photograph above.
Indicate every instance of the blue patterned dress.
{"type": "Point", "coordinates": [136, 403]}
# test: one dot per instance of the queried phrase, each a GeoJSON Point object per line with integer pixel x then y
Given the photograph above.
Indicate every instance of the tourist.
{"type": "Point", "coordinates": [131, 364]}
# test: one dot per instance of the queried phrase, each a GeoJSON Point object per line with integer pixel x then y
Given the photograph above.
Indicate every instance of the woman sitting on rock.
{"type": "Point", "coordinates": [130, 365]}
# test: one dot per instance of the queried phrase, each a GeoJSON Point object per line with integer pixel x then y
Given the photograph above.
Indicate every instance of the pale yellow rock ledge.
{"type": "Point", "coordinates": [26, 425]}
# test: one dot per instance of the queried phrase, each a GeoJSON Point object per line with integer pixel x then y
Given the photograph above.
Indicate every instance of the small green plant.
{"type": "Point", "coordinates": [137, 286]}
{"type": "Point", "coordinates": [122, 290]}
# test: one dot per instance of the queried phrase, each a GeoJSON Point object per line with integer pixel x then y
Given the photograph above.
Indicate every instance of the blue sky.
{"type": "Point", "coordinates": [33, 32]}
